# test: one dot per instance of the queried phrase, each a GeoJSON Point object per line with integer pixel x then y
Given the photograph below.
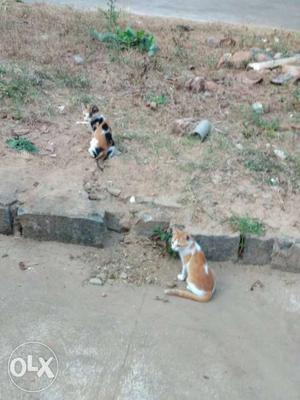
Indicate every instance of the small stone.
{"type": "Point", "coordinates": [153, 105]}
{"type": "Point", "coordinates": [102, 276]}
{"type": "Point", "coordinates": [260, 57]}
{"type": "Point", "coordinates": [171, 285]}
{"type": "Point", "coordinates": [239, 146]}
{"type": "Point", "coordinates": [196, 84]}
{"type": "Point", "coordinates": [211, 86]}
{"type": "Point", "coordinates": [87, 187]}
{"type": "Point", "coordinates": [241, 58]}
{"type": "Point", "coordinates": [212, 41]}
{"type": "Point", "coordinates": [61, 109]}
{"type": "Point", "coordinates": [123, 275]}
{"type": "Point", "coordinates": [258, 108]}
{"type": "Point", "coordinates": [96, 281]}
{"type": "Point", "coordinates": [78, 59]}
{"type": "Point", "coordinates": [113, 191]}
{"type": "Point", "coordinates": [183, 126]}
{"type": "Point", "coordinates": [104, 294]}
{"type": "Point", "coordinates": [280, 154]}
{"type": "Point", "coordinates": [132, 200]}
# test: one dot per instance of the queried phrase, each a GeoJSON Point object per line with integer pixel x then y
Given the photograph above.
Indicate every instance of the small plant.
{"type": "Point", "coordinates": [111, 15]}
{"type": "Point", "coordinates": [247, 225]}
{"type": "Point", "coordinates": [127, 39]}
{"type": "Point", "coordinates": [160, 99]}
{"type": "Point", "coordinates": [255, 124]}
{"type": "Point", "coordinates": [22, 144]}
{"type": "Point", "coordinates": [164, 236]}
{"type": "Point", "coordinates": [180, 38]}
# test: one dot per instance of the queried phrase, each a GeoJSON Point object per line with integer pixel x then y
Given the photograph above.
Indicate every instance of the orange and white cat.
{"type": "Point", "coordinates": [199, 277]}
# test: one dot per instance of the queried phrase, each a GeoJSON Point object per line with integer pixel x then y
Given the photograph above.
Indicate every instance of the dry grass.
{"type": "Point", "coordinates": [40, 41]}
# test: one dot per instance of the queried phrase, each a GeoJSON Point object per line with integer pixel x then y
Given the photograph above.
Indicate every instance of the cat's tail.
{"type": "Point", "coordinates": [188, 295]}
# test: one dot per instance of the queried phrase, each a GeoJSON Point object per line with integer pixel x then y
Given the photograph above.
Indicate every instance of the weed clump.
{"type": "Point", "coordinates": [247, 225]}
{"type": "Point", "coordinates": [163, 237]}
{"type": "Point", "coordinates": [22, 144]}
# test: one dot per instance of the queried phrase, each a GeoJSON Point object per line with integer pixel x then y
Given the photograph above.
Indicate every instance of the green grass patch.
{"type": "Point", "coordinates": [159, 99]}
{"type": "Point", "coordinates": [18, 84]}
{"type": "Point", "coordinates": [254, 124]}
{"type": "Point", "coordinates": [127, 39]}
{"type": "Point", "coordinates": [72, 81]}
{"type": "Point", "coordinates": [247, 225]}
{"type": "Point", "coordinates": [22, 144]}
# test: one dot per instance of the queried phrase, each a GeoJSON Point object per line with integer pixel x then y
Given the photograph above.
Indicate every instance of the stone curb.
{"type": "Point", "coordinates": [91, 229]}
{"type": "Point", "coordinates": [87, 230]}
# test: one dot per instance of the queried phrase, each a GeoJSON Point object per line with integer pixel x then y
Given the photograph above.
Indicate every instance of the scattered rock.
{"type": "Point", "coordinates": [286, 255]}
{"type": "Point", "coordinates": [96, 281]}
{"type": "Point", "coordinates": [258, 108]}
{"type": "Point", "coordinates": [212, 41]}
{"type": "Point", "coordinates": [152, 105]}
{"type": "Point", "coordinates": [280, 154]}
{"type": "Point", "coordinates": [23, 266]}
{"type": "Point", "coordinates": [78, 59]}
{"type": "Point", "coordinates": [257, 284]}
{"type": "Point", "coordinates": [87, 187]}
{"type": "Point", "coordinates": [227, 42]}
{"type": "Point", "coordinates": [240, 59]}
{"type": "Point", "coordinates": [196, 84]}
{"type": "Point", "coordinates": [20, 132]}
{"type": "Point", "coordinates": [61, 109]}
{"type": "Point", "coordinates": [117, 222]}
{"type": "Point", "coordinates": [113, 191]}
{"type": "Point", "coordinates": [250, 78]}
{"type": "Point", "coordinates": [132, 200]}
{"type": "Point", "coordinates": [203, 129]}
{"type": "Point", "coordinates": [104, 294]}
{"type": "Point", "coordinates": [162, 298]}
{"type": "Point", "coordinates": [102, 276]}
{"type": "Point", "coordinates": [211, 86]}
{"type": "Point", "coordinates": [171, 285]}
{"type": "Point", "coordinates": [259, 57]}
{"type": "Point", "coordinates": [183, 126]}
{"type": "Point", "coordinates": [123, 275]}
{"type": "Point", "coordinates": [167, 202]}
{"type": "Point", "coordinates": [148, 221]}
{"type": "Point", "coordinates": [289, 73]}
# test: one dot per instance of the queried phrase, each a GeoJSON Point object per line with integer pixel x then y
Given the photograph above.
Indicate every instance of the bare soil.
{"type": "Point", "coordinates": [235, 171]}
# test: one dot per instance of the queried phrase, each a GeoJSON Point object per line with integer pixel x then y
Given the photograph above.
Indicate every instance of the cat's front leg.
{"type": "Point", "coordinates": [183, 275]}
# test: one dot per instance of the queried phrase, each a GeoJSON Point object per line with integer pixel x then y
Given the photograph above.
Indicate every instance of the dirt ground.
{"type": "Point", "coordinates": [234, 172]}
{"type": "Point", "coordinates": [119, 341]}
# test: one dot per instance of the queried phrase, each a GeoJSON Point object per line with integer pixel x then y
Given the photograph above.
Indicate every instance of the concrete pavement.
{"type": "Point", "coordinates": [273, 13]}
{"type": "Point", "coordinates": [128, 346]}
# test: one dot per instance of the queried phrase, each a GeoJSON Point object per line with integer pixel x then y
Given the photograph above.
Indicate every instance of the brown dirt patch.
{"type": "Point", "coordinates": [234, 172]}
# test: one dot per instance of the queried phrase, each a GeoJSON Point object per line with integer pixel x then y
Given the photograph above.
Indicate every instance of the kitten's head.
{"type": "Point", "coordinates": [180, 239]}
{"type": "Point", "coordinates": [89, 111]}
